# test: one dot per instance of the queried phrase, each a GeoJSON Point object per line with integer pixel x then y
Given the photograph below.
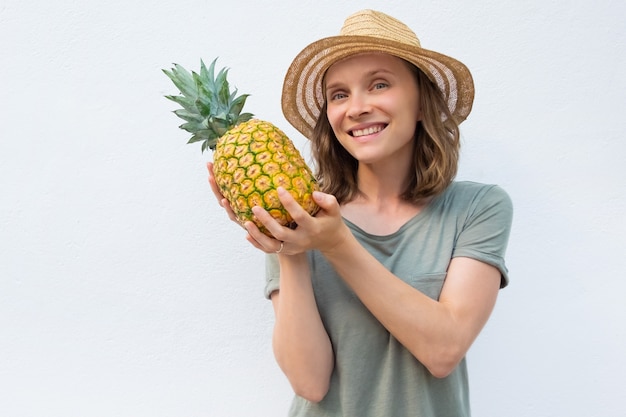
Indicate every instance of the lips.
{"type": "Point", "coordinates": [370, 130]}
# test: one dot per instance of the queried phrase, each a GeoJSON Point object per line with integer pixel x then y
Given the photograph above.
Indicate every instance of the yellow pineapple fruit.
{"type": "Point", "coordinates": [251, 157]}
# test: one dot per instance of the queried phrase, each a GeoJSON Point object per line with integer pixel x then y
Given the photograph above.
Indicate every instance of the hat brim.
{"type": "Point", "coordinates": [303, 98]}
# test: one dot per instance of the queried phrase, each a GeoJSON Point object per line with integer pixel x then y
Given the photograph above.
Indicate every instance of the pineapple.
{"type": "Point", "coordinates": [251, 157]}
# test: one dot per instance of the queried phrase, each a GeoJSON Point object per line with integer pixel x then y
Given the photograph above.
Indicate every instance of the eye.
{"type": "Point", "coordinates": [380, 86]}
{"type": "Point", "coordinates": [337, 96]}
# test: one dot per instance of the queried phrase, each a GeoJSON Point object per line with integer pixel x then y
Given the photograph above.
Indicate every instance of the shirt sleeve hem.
{"type": "Point", "coordinates": [494, 261]}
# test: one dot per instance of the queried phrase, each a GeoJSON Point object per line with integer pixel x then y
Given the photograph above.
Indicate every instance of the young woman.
{"type": "Point", "coordinates": [379, 296]}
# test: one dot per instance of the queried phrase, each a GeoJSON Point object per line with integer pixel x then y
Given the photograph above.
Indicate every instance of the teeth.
{"type": "Point", "coordinates": [368, 131]}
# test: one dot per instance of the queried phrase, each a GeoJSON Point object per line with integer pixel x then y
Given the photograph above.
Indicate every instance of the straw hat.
{"type": "Point", "coordinates": [369, 31]}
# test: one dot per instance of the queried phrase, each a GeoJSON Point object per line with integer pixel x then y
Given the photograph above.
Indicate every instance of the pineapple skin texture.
{"type": "Point", "coordinates": [251, 161]}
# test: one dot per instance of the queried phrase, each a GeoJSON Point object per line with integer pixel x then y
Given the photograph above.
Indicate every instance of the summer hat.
{"type": "Point", "coordinates": [369, 31]}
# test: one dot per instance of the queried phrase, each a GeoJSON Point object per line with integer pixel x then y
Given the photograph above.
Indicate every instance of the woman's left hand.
{"type": "Point", "coordinates": [322, 232]}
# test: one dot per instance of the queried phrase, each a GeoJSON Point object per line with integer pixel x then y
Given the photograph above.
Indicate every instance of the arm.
{"type": "Point", "coordinates": [301, 345]}
{"type": "Point", "coordinates": [438, 333]}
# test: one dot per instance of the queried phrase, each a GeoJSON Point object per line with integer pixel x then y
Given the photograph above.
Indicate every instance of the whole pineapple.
{"type": "Point", "coordinates": [251, 157]}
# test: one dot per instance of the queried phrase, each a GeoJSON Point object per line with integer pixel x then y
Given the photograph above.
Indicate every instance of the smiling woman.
{"type": "Point", "coordinates": [379, 296]}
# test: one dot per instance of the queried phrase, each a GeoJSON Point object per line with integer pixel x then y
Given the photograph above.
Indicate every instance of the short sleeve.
{"type": "Point", "coordinates": [485, 233]}
{"type": "Point", "coordinates": [272, 274]}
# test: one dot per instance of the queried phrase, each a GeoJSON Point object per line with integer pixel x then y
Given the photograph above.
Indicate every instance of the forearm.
{"type": "Point", "coordinates": [301, 344]}
{"type": "Point", "coordinates": [437, 333]}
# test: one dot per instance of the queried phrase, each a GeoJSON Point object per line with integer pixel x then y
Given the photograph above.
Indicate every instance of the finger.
{"type": "Point", "coordinates": [294, 208]}
{"type": "Point", "coordinates": [327, 202]}
{"type": "Point", "coordinates": [261, 240]}
{"type": "Point", "coordinates": [224, 203]}
{"type": "Point", "coordinates": [219, 196]}
{"type": "Point", "coordinates": [276, 229]}
{"type": "Point", "coordinates": [214, 187]}
{"type": "Point", "coordinates": [254, 242]}
{"type": "Point", "coordinates": [229, 211]}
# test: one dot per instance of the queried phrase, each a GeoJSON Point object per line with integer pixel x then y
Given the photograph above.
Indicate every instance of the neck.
{"type": "Point", "coordinates": [380, 209]}
{"type": "Point", "coordinates": [382, 184]}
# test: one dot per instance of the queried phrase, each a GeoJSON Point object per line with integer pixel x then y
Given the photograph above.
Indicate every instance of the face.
{"type": "Point", "coordinates": [373, 107]}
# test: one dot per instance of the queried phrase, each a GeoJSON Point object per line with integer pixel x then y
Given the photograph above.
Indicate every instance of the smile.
{"type": "Point", "coordinates": [368, 131]}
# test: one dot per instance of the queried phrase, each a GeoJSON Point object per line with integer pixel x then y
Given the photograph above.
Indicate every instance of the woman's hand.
{"type": "Point", "coordinates": [323, 232]}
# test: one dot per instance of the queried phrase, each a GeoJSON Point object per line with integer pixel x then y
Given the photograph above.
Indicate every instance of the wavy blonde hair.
{"type": "Point", "coordinates": [435, 154]}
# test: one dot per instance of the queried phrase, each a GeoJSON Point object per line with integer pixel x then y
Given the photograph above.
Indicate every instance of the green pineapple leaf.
{"type": "Point", "coordinates": [244, 117]}
{"type": "Point", "coordinates": [208, 106]}
{"type": "Point", "coordinates": [188, 116]}
{"type": "Point", "coordinates": [237, 104]}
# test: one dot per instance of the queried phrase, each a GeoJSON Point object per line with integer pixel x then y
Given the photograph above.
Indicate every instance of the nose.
{"type": "Point", "coordinates": [359, 105]}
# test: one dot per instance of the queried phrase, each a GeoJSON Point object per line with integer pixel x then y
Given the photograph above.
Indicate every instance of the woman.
{"type": "Point", "coordinates": [379, 296]}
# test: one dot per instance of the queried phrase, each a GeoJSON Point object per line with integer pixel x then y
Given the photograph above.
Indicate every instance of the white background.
{"type": "Point", "coordinates": [125, 291]}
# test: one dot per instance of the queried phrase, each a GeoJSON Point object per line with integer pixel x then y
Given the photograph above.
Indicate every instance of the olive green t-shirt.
{"type": "Point", "coordinates": [374, 375]}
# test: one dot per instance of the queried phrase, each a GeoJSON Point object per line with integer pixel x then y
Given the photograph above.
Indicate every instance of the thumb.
{"type": "Point", "coordinates": [328, 202]}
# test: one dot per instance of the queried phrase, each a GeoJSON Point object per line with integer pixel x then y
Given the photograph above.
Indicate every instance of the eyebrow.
{"type": "Point", "coordinates": [369, 74]}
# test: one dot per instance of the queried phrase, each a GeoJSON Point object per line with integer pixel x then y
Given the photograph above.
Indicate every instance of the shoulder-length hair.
{"type": "Point", "coordinates": [435, 154]}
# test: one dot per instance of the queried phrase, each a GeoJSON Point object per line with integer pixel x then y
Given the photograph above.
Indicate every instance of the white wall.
{"type": "Point", "coordinates": [124, 291]}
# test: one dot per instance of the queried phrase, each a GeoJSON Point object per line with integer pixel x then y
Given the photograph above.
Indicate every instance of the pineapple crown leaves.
{"type": "Point", "coordinates": [209, 108]}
